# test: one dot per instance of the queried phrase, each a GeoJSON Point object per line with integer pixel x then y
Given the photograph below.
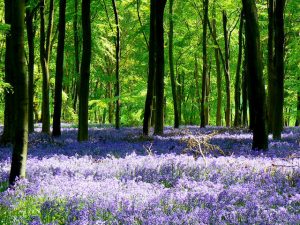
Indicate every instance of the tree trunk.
{"type": "Point", "coordinates": [76, 49]}
{"type": "Point", "coordinates": [204, 68]}
{"type": "Point", "coordinates": [9, 111]}
{"type": "Point", "coordinates": [85, 72]}
{"type": "Point", "coordinates": [271, 69]}
{"type": "Point", "coordinates": [219, 78]}
{"type": "Point", "coordinates": [30, 38]}
{"type": "Point", "coordinates": [227, 74]}
{"type": "Point", "coordinates": [19, 156]}
{"type": "Point", "coordinates": [237, 93]}
{"type": "Point", "coordinates": [244, 94]}
{"type": "Point", "coordinates": [44, 58]}
{"type": "Point", "coordinates": [59, 69]}
{"type": "Point", "coordinates": [171, 65]}
{"type": "Point", "coordinates": [279, 71]}
{"type": "Point", "coordinates": [159, 73]}
{"type": "Point", "coordinates": [117, 84]}
{"type": "Point", "coordinates": [151, 74]}
{"type": "Point", "coordinates": [197, 85]}
{"type": "Point", "coordinates": [256, 86]}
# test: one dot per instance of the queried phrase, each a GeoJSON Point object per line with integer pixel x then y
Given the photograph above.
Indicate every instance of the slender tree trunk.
{"type": "Point", "coordinates": [151, 74]}
{"type": "Point", "coordinates": [237, 94]}
{"type": "Point", "coordinates": [77, 60]}
{"type": "Point", "coordinates": [279, 72]}
{"type": "Point", "coordinates": [244, 95]}
{"type": "Point", "coordinates": [9, 111]}
{"type": "Point", "coordinates": [219, 78]}
{"type": "Point", "coordinates": [257, 98]}
{"type": "Point", "coordinates": [204, 68]}
{"type": "Point", "coordinates": [227, 74]}
{"type": "Point", "coordinates": [49, 29]}
{"type": "Point", "coordinates": [117, 84]}
{"type": "Point", "coordinates": [19, 156]}
{"type": "Point", "coordinates": [197, 85]}
{"type": "Point", "coordinates": [271, 69]}
{"type": "Point", "coordinates": [206, 106]}
{"type": "Point", "coordinates": [179, 95]}
{"type": "Point", "coordinates": [30, 38]}
{"type": "Point", "coordinates": [159, 77]}
{"type": "Point", "coordinates": [59, 69]}
{"type": "Point", "coordinates": [85, 71]}
{"type": "Point", "coordinates": [44, 57]}
{"type": "Point", "coordinates": [171, 65]}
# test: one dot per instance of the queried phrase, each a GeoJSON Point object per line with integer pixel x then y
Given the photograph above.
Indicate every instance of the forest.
{"type": "Point", "coordinates": [149, 112]}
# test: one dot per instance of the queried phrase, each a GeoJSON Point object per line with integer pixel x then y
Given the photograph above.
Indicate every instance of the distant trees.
{"type": "Point", "coordinates": [196, 64]}
{"type": "Point", "coordinates": [9, 111]}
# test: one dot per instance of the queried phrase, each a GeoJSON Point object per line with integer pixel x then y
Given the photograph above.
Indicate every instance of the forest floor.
{"type": "Point", "coordinates": [187, 176]}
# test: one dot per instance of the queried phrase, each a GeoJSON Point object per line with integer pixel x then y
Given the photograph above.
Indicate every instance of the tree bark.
{"type": "Point", "coordinates": [237, 93]}
{"type": "Point", "coordinates": [59, 69]}
{"type": "Point", "coordinates": [271, 69]}
{"type": "Point", "coordinates": [227, 73]}
{"type": "Point", "coordinates": [204, 68]}
{"type": "Point", "coordinates": [117, 84]}
{"type": "Point", "coordinates": [30, 38]}
{"type": "Point", "coordinates": [277, 124]}
{"type": "Point", "coordinates": [85, 71]}
{"type": "Point", "coordinates": [76, 56]}
{"type": "Point", "coordinates": [152, 69]}
{"type": "Point", "coordinates": [171, 65]}
{"type": "Point", "coordinates": [44, 58]}
{"type": "Point", "coordinates": [219, 77]}
{"type": "Point", "coordinates": [19, 156]}
{"type": "Point", "coordinates": [159, 77]}
{"type": "Point", "coordinates": [9, 111]}
{"type": "Point", "coordinates": [244, 94]}
{"type": "Point", "coordinates": [256, 86]}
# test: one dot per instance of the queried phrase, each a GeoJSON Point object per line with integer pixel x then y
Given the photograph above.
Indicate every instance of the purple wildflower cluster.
{"type": "Point", "coordinates": [121, 177]}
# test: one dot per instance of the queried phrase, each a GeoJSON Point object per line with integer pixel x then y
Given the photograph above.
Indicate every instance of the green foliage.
{"type": "Point", "coordinates": [187, 19]}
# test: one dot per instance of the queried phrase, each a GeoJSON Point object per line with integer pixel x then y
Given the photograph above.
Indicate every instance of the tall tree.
{"type": "Point", "coordinates": [44, 58]}
{"type": "Point", "coordinates": [160, 62]}
{"type": "Point", "coordinates": [219, 77]}
{"type": "Point", "coordinates": [244, 93]}
{"type": "Point", "coordinates": [237, 93]}
{"type": "Point", "coordinates": [171, 65]}
{"type": "Point", "coordinates": [277, 124]}
{"type": "Point", "coordinates": [205, 66]}
{"type": "Point", "coordinates": [151, 73]}
{"type": "Point", "coordinates": [59, 69]}
{"type": "Point", "coordinates": [271, 69]}
{"type": "Point", "coordinates": [76, 55]}
{"type": "Point", "coordinates": [85, 71]}
{"type": "Point", "coordinates": [30, 37]}
{"type": "Point", "coordinates": [9, 111]}
{"type": "Point", "coordinates": [227, 73]}
{"type": "Point", "coordinates": [117, 84]}
{"type": "Point", "coordinates": [257, 98]}
{"type": "Point", "coordinates": [19, 156]}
